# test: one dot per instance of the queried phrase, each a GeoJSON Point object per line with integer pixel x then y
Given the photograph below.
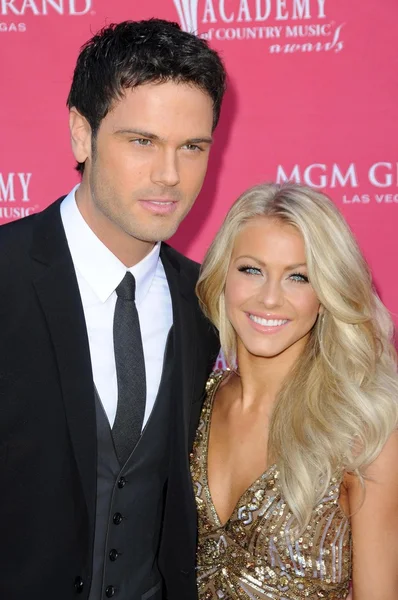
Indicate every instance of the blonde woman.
{"type": "Point", "coordinates": [295, 462]}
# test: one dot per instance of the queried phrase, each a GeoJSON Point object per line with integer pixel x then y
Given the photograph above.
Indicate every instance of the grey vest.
{"type": "Point", "coordinates": [130, 502]}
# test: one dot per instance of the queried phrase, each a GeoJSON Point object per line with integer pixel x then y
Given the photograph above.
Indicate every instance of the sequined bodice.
{"type": "Point", "coordinates": [254, 555]}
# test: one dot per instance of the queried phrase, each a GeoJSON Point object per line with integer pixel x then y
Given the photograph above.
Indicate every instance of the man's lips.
{"type": "Point", "coordinates": [160, 206]}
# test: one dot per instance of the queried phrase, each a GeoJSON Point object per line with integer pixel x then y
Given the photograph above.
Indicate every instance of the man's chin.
{"type": "Point", "coordinates": [155, 235]}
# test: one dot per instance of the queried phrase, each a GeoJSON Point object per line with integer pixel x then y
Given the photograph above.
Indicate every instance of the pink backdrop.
{"type": "Point", "coordinates": [313, 96]}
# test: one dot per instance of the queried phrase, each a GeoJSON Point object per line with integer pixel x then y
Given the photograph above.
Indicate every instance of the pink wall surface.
{"type": "Point", "coordinates": [313, 97]}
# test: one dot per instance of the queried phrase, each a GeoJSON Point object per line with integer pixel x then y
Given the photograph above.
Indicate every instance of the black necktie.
{"type": "Point", "coordinates": [130, 370]}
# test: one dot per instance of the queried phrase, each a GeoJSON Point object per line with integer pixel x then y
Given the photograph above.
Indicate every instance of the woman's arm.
{"type": "Point", "coordinates": [374, 524]}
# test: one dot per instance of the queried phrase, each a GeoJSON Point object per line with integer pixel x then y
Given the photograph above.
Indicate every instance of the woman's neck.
{"type": "Point", "coordinates": [261, 378]}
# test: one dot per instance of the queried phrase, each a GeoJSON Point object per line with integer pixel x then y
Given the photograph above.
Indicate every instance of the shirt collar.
{"type": "Point", "coordinates": [101, 269]}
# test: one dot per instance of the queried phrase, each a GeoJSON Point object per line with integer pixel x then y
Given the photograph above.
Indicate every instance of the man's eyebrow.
{"type": "Point", "coordinates": [202, 140]}
{"type": "Point", "coordinates": [140, 132]}
{"type": "Point", "coordinates": [156, 138]}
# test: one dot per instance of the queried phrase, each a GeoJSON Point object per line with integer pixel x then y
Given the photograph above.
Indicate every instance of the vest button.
{"type": "Point", "coordinates": [113, 554]}
{"type": "Point", "coordinates": [121, 483]}
{"type": "Point", "coordinates": [110, 591]}
{"type": "Point", "coordinates": [79, 585]}
{"type": "Point", "coordinates": [117, 518]}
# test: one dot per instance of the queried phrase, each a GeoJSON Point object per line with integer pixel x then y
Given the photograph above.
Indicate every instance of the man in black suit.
{"type": "Point", "coordinates": [104, 351]}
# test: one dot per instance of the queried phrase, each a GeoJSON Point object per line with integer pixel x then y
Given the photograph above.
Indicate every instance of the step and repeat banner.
{"type": "Point", "coordinates": [312, 97]}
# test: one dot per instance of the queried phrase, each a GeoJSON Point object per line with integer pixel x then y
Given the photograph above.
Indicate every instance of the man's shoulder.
{"type": "Point", "coordinates": [17, 233]}
{"type": "Point", "coordinates": [24, 225]}
{"type": "Point", "coordinates": [16, 237]}
{"type": "Point", "coordinates": [189, 267]}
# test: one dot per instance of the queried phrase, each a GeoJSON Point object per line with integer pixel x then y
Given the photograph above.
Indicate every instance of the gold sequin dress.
{"type": "Point", "coordinates": [252, 556]}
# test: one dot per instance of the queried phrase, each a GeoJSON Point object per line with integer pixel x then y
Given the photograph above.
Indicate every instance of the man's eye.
{"type": "Point", "coordinates": [193, 147]}
{"type": "Point", "coordinates": [142, 142]}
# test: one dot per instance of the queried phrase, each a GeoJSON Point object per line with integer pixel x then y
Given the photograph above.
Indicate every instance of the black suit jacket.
{"type": "Point", "coordinates": [47, 418]}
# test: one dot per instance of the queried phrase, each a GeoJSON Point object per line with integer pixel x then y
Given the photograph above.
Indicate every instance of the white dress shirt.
{"type": "Point", "coordinates": [99, 273]}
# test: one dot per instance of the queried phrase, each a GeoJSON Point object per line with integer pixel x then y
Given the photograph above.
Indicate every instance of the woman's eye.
{"type": "Point", "coordinates": [249, 270]}
{"type": "Point", "coordinates": [299, 277]}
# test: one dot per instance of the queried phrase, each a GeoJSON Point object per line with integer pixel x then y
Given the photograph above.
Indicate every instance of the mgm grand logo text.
{"type": "Point", "coordinates": [284, 22]}
{"type": "Point", "coordinates": [44, 7]}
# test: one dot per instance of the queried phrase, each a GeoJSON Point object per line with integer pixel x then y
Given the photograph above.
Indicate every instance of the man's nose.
{"type": "Point", "coordinates": [165, 170]}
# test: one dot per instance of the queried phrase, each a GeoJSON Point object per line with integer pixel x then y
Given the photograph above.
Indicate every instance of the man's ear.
{"type": "Point", "coordinates": [80, 133]}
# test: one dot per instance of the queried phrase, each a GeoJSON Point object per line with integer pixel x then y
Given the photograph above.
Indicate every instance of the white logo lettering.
{"type": "Point", "coordinates": [57, 6]}
{"type": "Point", "coordinates": [294, 176]}
{"type": "Point", "coordinates": [349, 178]}
{"type": "Point", "coordinates": [188, 14]}
{"type": "Point", "coordinates": [246, 11]}
{"type": "Point", "coordinates": [301, 10]}
{"type": "Point", "coordinates": [374, 173]}
{"type": "Point", "coordinates": [267, 8]}
{"type": "Point", "coordinates": [223, 15]}
{"type": "Point", "coordinates": [8, 185]}
{"type": "Point", "coordinates": [209, 11]}
{"type": "Point", "coordinates": [280, 5]}
{"type": "Point", "coordinates": [7, 189]}
{"type": "Point", "coordinates": [10, 4]}
{"type": "Point", "coordinates": [244, 14]}
{"type": "Point", "coordinates": [337, 177]}
{"type": "Point", "coordinates": [16, 212]}
{"type": "Point", "coordinates": [41, 7]}
{"type": "Point", "coordinates": [322, 181]}
{"type": "Point", "coordinates": [321, 9]}
{"type": "Point", "coordinates": [73, 10]}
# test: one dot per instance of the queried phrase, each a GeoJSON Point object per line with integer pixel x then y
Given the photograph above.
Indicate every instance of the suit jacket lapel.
{"type": "Point", "coordinates": [185, 344]}
{"type": "Point", "coordinates": [58, 293]}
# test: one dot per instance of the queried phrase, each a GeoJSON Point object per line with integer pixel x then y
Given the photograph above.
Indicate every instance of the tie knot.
{"type": "Point", "coordinates": [126, 288]}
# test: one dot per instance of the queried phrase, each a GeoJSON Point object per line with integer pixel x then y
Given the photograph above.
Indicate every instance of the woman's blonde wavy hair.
{"type": "Point", "coordinates": [339, 404]}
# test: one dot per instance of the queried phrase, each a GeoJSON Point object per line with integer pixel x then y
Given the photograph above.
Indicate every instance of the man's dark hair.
{"type": "Point", "coordinates": [132, 53]}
